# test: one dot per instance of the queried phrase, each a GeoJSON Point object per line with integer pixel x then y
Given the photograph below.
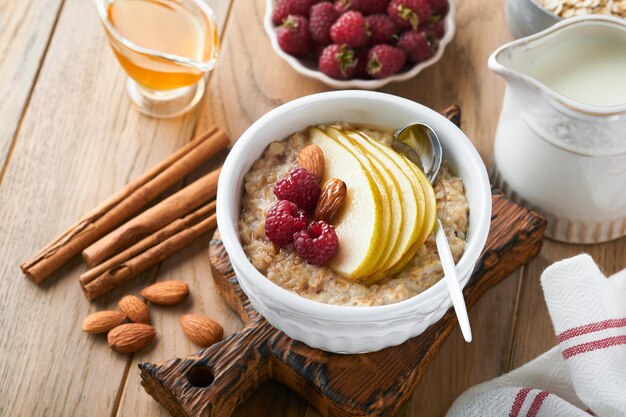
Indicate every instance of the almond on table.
{"type": "Point", "coordinates": [131, 337]}
{"type": "Point", "coordinates": [103, 321]}
{"type": "Point", "coordinates": [135, 309]}
{"type": "Point", "coordinates": [202, 330]}
{"type": "Point", "coordinates": [166, 292]}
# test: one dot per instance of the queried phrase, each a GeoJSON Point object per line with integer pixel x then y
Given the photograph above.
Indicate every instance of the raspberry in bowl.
{"type": "Point", "coordinates": [361, 275]}
{"type": "Point", "coordinates": [359, 43]}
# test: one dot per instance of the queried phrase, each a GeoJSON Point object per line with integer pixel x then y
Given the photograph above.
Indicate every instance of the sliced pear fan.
{"type": "Point", "coordinates": [359, 224]}
{"type": "Point", "coordinates": [429, 214]}
{"type": "Point", "coordinates": [412, 201]}
{"type": "Point", "coordinates": [389, 210]}
{"type": "Point", "coordinates": [430, 217]}
{"type": "Point", "coordinates": [392, 212]}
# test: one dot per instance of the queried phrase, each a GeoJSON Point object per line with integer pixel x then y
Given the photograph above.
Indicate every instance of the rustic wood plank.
{"type": "Point", "coordinates": [534, 333]}
{"type": "Point", "coordinates": [25, 29]}
{"type": "Point", "coordinates": [246, 86]}
{"type": "Point", "coordinates": [79, 142]}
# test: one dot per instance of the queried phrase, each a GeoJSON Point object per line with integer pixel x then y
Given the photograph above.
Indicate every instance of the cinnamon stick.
{"type": "Point", "coordinates": [124, 272]}
{"type": "Point", "coordinates": [154, 239]}
{"type": "Point", "coordinates": [128, 201]}
{"type": "Point", "coordinates": [153, 219]}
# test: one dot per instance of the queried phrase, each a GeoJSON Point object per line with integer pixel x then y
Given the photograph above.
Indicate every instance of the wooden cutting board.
{"type": "Point", "coordinates": [215, 380]}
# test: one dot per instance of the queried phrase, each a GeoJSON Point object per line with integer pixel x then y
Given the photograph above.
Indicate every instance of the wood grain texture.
{"type": "Point", "coordinates": [78, 143]}
{"type": "Point", "coordinates": [25, 29]}
{"type": "Point", "coordinates": [373, 384]}
{"type": "Point", "coordinates": [191, 266]}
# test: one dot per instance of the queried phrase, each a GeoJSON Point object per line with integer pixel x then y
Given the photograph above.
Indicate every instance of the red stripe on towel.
{"type": "Point", "coordinates": [595, 345]}
{"type": "Point", "coordinates": [519, 401]}
{"type": "Point", "coordinates": [591, 328]}
{"type": "Point", "coordinates": [536, 404]}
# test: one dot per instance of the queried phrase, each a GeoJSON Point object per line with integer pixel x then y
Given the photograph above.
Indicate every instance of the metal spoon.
{"type": "Point", "coordinates": [422, 146]}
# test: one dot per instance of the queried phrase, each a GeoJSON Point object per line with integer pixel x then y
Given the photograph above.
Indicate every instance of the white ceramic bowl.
{"type": "Point", "coordinates": [308, 67]}
{"type": "Point", "coordinates": [526, 17]}
{"type": "Point", "coordinates": [344, 329]}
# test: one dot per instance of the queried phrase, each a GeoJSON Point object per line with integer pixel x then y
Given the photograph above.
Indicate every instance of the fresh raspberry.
{"type": "Point", "coordinates": [299, 187]}
{"type": "Point", "coordinates": [438, 29]}
{"type": "Point", "coordinates": [384, 60]}
{"type": "Point", "coordinates": [337, 61]}
{"type": "Point", "coordinates": [322, 17]}
{"type": "Point", "coordinates": [293, 36]}
{"type": "Point", "coordinates": [407, 14]}
{"type": "Point", "coordinates": [317, 244]}
{"type": "Point", "coordinates": [283, 220]}
{"type": "Point", "coordinates": [349, 29]}
{"type": "Point", "coordinates": [439, 7]}
{"type": "Point", "coordinates": [368, 6]}
{"type": "Point", "coordinates": [371, 6]}
{"type": "Point", "coordinates": [418, 47]}
{"type": "Point", "coordinates": [343, 6]}
{"type": "Point", "coordinates": [360, 71]}
{"type": "Point", "coordinates": [381, 28]}
{"type": "Point", "coordinates": [284, 8]}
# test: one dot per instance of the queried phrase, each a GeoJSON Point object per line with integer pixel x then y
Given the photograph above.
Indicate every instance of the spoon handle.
{"type": "Point", "coordinates": [449, 270]}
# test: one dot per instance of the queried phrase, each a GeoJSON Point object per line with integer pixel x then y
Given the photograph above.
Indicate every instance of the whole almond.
{"type": "Point", "coordinates": [311, 158]}
{"type": "Point", "coordinates": [130, 337]}
{"type": "Point", "coordinates": [331, 199]}
{"type": "Point", "coordinates": [135, 309]}
{"type": "Point", "coordinates": [202, 330]}
{"type": "Point", "coordinates": [166, 293]}
{"type": "Point", "coordinates": [103, 321]}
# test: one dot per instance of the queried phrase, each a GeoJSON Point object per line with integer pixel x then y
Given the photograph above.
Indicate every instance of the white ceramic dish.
{"type": "Point", "coordinates": [563, 157]}
{"type": "Point", "coordinates": [309, 69]}
{"type": "Point", "coordinates": [526, 17]}
{"type": "Point", "coordinates": [334, 328]}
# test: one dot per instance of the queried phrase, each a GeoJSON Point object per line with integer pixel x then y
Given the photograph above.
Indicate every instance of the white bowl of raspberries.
{"type": "Point", "coordinates": [359, 43]}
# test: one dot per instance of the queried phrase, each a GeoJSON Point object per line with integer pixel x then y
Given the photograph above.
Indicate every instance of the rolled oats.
{"type": "Point", "coordinates": [320, 283]}
{"type": "Point", "coordinates": [571, 8]}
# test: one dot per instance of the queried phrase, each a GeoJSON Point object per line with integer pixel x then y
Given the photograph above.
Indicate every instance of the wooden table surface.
{"type": "Point", "coordinates": [69, 138]}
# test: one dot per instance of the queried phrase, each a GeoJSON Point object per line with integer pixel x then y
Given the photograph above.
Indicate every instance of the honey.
{"type": "Point", "coordinates": [170, 41]}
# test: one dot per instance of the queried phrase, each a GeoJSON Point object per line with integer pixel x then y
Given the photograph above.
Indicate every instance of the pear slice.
{"type": "Point", "coordinates": [392, 222]}
{"type": "Point", "coordinates": [412, 199]}
{"type": "Point", "coordinates": [400, 184]}
{"type": "Point", "coordinates": [359, 224]}
{"type": "Point", "coordinates": [430, 216]}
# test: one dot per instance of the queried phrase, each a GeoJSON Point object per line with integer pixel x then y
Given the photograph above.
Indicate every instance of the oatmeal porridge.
{"type": "Point", "coordinates": [321, 283]}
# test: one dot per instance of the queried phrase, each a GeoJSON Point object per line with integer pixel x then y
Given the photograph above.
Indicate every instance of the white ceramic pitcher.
{"type": "Point", "coordinates": [563, 157]}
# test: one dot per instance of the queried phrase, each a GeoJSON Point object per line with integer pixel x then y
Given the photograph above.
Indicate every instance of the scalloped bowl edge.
{"type": "Point", "coordinates": [299, 67]}
{"type": "Point", "coordinates": [345, 329]}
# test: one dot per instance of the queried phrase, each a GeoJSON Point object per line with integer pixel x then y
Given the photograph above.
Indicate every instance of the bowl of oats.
{"type": "Point", "coordinates": [526, 17]}
{"type": "Point", "coordinates": [330, 230]}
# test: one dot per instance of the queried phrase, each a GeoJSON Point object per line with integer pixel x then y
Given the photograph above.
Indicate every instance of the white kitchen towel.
{"type": "Point", "coordinates": [585, 374]}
